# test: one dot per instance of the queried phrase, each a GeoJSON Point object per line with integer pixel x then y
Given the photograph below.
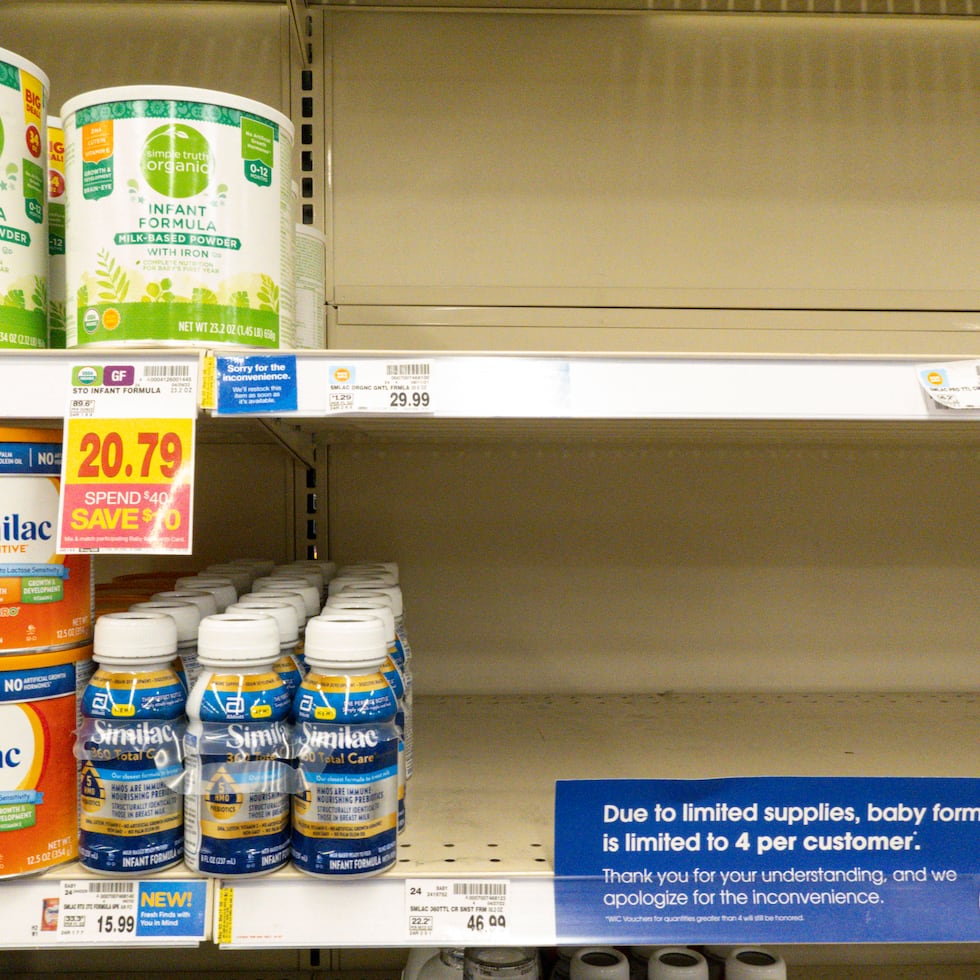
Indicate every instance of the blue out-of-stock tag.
{"type": "Point", "coordinates": [767, 860]}
{"type": "Point", "coordinates": [250, 384]}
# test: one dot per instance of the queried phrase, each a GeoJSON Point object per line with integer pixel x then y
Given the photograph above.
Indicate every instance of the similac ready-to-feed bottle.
{"type": "Point", "coordinates": [677, 963]}
{"type": "Point", "coordinates": [501, 963]}
{"type": "Point", "coordinates": [129, 743]}
{"type": "Point", "coordinates": [345, 813]}
{"type": "Point", "coordinates": [447, 964]}
{"type": "Point", "coordinates": [599, 963]}
{"type": "Point", "coordinates": [222, 588]}
{"type": "Point", "coordinates": [282, 583]}
{"type": "Point", "coordinates": [205, 601]}
{"type": "Point", "coordinates": [286, 666]}
{"type": "Point", "coordinates": [237, 751]}
{"type": "Point", "coordinates": [187, 616]}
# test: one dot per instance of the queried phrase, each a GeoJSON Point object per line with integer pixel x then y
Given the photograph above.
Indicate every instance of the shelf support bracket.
{"type": "Point", "coordinates": [297, 16]}
{"type": "Point", "coordinates": [297, 443]}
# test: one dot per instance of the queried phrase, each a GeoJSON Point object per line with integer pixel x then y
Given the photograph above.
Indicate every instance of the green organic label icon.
{"type": "Point", "coordinates": [258, 149]}
{"type": "Point", "coordinates": [176, 161]}
{"type": "Point", "coordinates": [34, 191]}
{"type": "Point", "coordinates": [1, 136]}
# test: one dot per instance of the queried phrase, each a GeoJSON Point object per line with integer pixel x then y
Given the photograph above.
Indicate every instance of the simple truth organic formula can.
{"type": "Point", "coordinates": [45, 598]}
{"type": "Point", "coordinates": [178, 219]}
{"type": "Point", "coordinates": [56, 234]}
{"type": "Point", "coordinates": [23, 192]}
{"type": "Point", "coordinates": [40, 695]}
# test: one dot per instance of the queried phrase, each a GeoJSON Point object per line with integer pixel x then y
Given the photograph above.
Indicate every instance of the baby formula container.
{"type": "Point", "coordinates": [446, 965]}
{"type": "Point", "coordinates": [56, 234]}
{"type": "Point", "coordinates": [237, 752]}
{"type": "Point", "coordinates": [187, 616]}
{"type": "Point", "coordinates": [131, 807]}
{"type": "Point", "coordinates": [177, 219]}
{"type": "Point", "coordinates": [23, 196]}
{"type": "Point", "coordinates": [599, 963]}
{"type": "Point", "coordinates": [286, 666]}
{"type": "Point", "coordinates": [501, 963]}
{"type": "Point", "coordinates": [754, 963]}
{"type": "Point", "coordinates": [223, 589]}
{"type": "Point", "coordinates": [677, 963]}
{"type": "Point", "coordinates": [345, 816]}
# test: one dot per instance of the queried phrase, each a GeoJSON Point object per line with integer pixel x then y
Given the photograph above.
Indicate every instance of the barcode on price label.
{"type": "Point", "coordinates": [408, 370]}
{"type": "Point", "coordinates": [480, 889]}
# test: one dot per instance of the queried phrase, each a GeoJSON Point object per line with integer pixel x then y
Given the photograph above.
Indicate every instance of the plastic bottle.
{"type": "Point", "coordinates": [754, 963]}
{"type": "Point", "coordinates": [187, 616]}
{"type": "Point", "coordinates": [417, 957]}
{"type": "Point", "coordinates": [204, 601]}
{"type": "Point", "coordinates": [501, 963]}
{"type": "Point", "coordinates": [677, 963]}
{"type": "Point", "coordinates": [446, 965]}
{"type": "Point", "coordinates": [223, 589]}
{"type": "Point", "coordinates": [281, 583]}
{"type": "Point", "coordinates": [129, 741]}
{"type": "Point", "coordinates": [237, 751]}
{"type": "Point", "coordinates": [287, 666]}
{"type": "Point", "coordinates": [599, 963]}
{"type": "Point", "coordinates": [381, 608]}
{"type": "Point", "coordinates": [345, 817]}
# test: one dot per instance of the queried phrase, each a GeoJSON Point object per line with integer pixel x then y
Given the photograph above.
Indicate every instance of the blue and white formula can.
{"type": "Point", "coordinates": [237, 751]}
{"type": "Point", "coordinates": [345, 816]}
{"type": "Point", "coordinates": [129, 742]}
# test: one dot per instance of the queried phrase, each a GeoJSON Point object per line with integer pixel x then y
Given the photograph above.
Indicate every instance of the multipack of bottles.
{"type": "Point", "coordinates": [237, 724]}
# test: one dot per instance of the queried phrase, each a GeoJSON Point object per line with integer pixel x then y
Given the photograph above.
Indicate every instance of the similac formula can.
{"type": "Point", "coordinates": [178, 219]}
{"type": "Point", "coordinates": [237, 753]}
{"type": "Point", "coordinates": [56, 233]}
{"type": "Point", "coordinates": [40, 694]}
{"type": "Point", "coordinates": [129, 742]}
{"type": "Point", "coordinates": [23, 193]}
{"type": "Point", "coordinates": [345, 813]}
{"type": "Point", "coordinates": [45, 598]}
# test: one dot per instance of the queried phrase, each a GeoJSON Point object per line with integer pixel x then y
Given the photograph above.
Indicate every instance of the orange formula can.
{"type": "Point", "coordinates": [40, 695]}
{"type": "Point", "coordinates": [45, 598]}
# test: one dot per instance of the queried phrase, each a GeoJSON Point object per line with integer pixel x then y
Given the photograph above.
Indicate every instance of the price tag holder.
{"type": "Point", "coordinates": [473, 911]}
{"type": "Point", "coordinates": [128, 459]}
{"type": "Point", "coordinates": [380, 386]}
{"type": "Point", "coordinates": [117, 912]}
{"type": "Point", "coordinates": [952, 386]}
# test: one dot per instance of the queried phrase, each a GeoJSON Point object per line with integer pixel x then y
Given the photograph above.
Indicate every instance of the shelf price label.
{"type": "Point", "coordinates": [474, 911]}
{"type": "Point", "coordinates": [380, 387]}
{"type": "Point", "coordinates": [117, 912]}
{"type": "Point", "coordinates": [952, 386]}
{"type": "Point", "coordinates": [128, 460]}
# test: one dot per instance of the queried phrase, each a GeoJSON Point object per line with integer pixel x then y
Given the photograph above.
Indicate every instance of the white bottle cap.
{"type": "Point", "coordinates": [185, 614]}
{"type": "Point", "coordinates": [279, 609]}
{"type": "Point", "coordinates": [241, 577]}
{"type": "Point", "coordinates": [345, 639]}
{"type": "Point", "coordinates": [376, 576]}
{"type": "Point", "coordinates": [259, 566]}
{"type": "Point", "coordinates": [380, 607]}
{"type": "Point", "coordinates": [134, 637]}
{"type": "Point", "coordinates": [281, 595]}
{"type": "Point", "coordinates": [754, 963]}
{"type": "Point", "coordinates": [249, 639]}
{"type": "Point", "coordinates": [328, 569]}
{"type": "Point", "coordinates": [360, 567]}
{"type": "Point", "coordinates": [599, 963]}
{"type": "Point", "coordinates": [223, 589]}
{"type": "Point", "coordinates": [394, 592]}
{"type": "Point", "coordinates": [313, 576]}
{"type": "Point", "coordinates": [205, 601]}
{"type": "Point", "coordinates": [311, 595]}
{"type": "Point", "coordinates": [677, 963]}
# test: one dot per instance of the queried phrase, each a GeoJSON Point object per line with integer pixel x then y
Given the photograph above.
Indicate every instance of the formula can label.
{"type": "Point", "coordinates": [239, 775]}
{"type": "Point", "coordinates": [56, 234]}
{"type": "Point", "coordinates": [45, 598]}
{"type": "Point", "coordinates": [178, 216]}
{"type": "Point", "coordinates": [345, 817]}
{"type": "Point", "coordinates": [39, 696]}
{"type": "Point", "coordinates": [23, 215]}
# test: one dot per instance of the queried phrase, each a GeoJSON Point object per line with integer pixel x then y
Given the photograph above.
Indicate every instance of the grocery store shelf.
{"type": "Point", "coordinates": [481, 804]}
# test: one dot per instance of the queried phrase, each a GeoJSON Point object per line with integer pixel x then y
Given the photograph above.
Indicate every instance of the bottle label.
{"type": "Point", "coordinates": [134, 694]}
{"type": "Point", "coordinates": [244, 697]}
{"type": "Point", "coordinates": [345, 819]}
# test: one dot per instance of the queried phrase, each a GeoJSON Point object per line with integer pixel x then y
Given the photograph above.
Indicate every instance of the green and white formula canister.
{"type": "Point", "coordinates": [56, 234]}
{"type": "Point", "coordinates": [23, 192]}
{"type": "Point", "coordinates": [178, 219]}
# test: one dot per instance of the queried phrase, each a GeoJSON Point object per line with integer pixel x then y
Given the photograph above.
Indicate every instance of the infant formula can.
{"type": "Point", "coordinates": [178, 219]}
{"type": "Point", "coordinates": [40, 694]}
{"type": "Point", "coordinates": [56, 234]}
{"type": "Point", "coordinates": [345, 814]}
{"type": "Point", "coordinates": [23, 195]}
{"type": "Point", "coordinates": [237, 751]}
{"type": "Point", "coordinates": [45, 598]}
{"type": "Point", "coordinates": [129, 742]}
{"type": "Point", "coordinates": [310, 297]}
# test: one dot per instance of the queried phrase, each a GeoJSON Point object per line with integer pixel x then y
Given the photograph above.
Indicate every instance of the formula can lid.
{"type": "Point", "coordinates": [283, 612]}
{"type": "Point", "coordinates": [186, 615]}
{"type": "Point", "coordinates": [245, 638]}
{"type": "Point", "coordinates": [345, 639]}
{"type": "Point", "coordinates": [134, 637]}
